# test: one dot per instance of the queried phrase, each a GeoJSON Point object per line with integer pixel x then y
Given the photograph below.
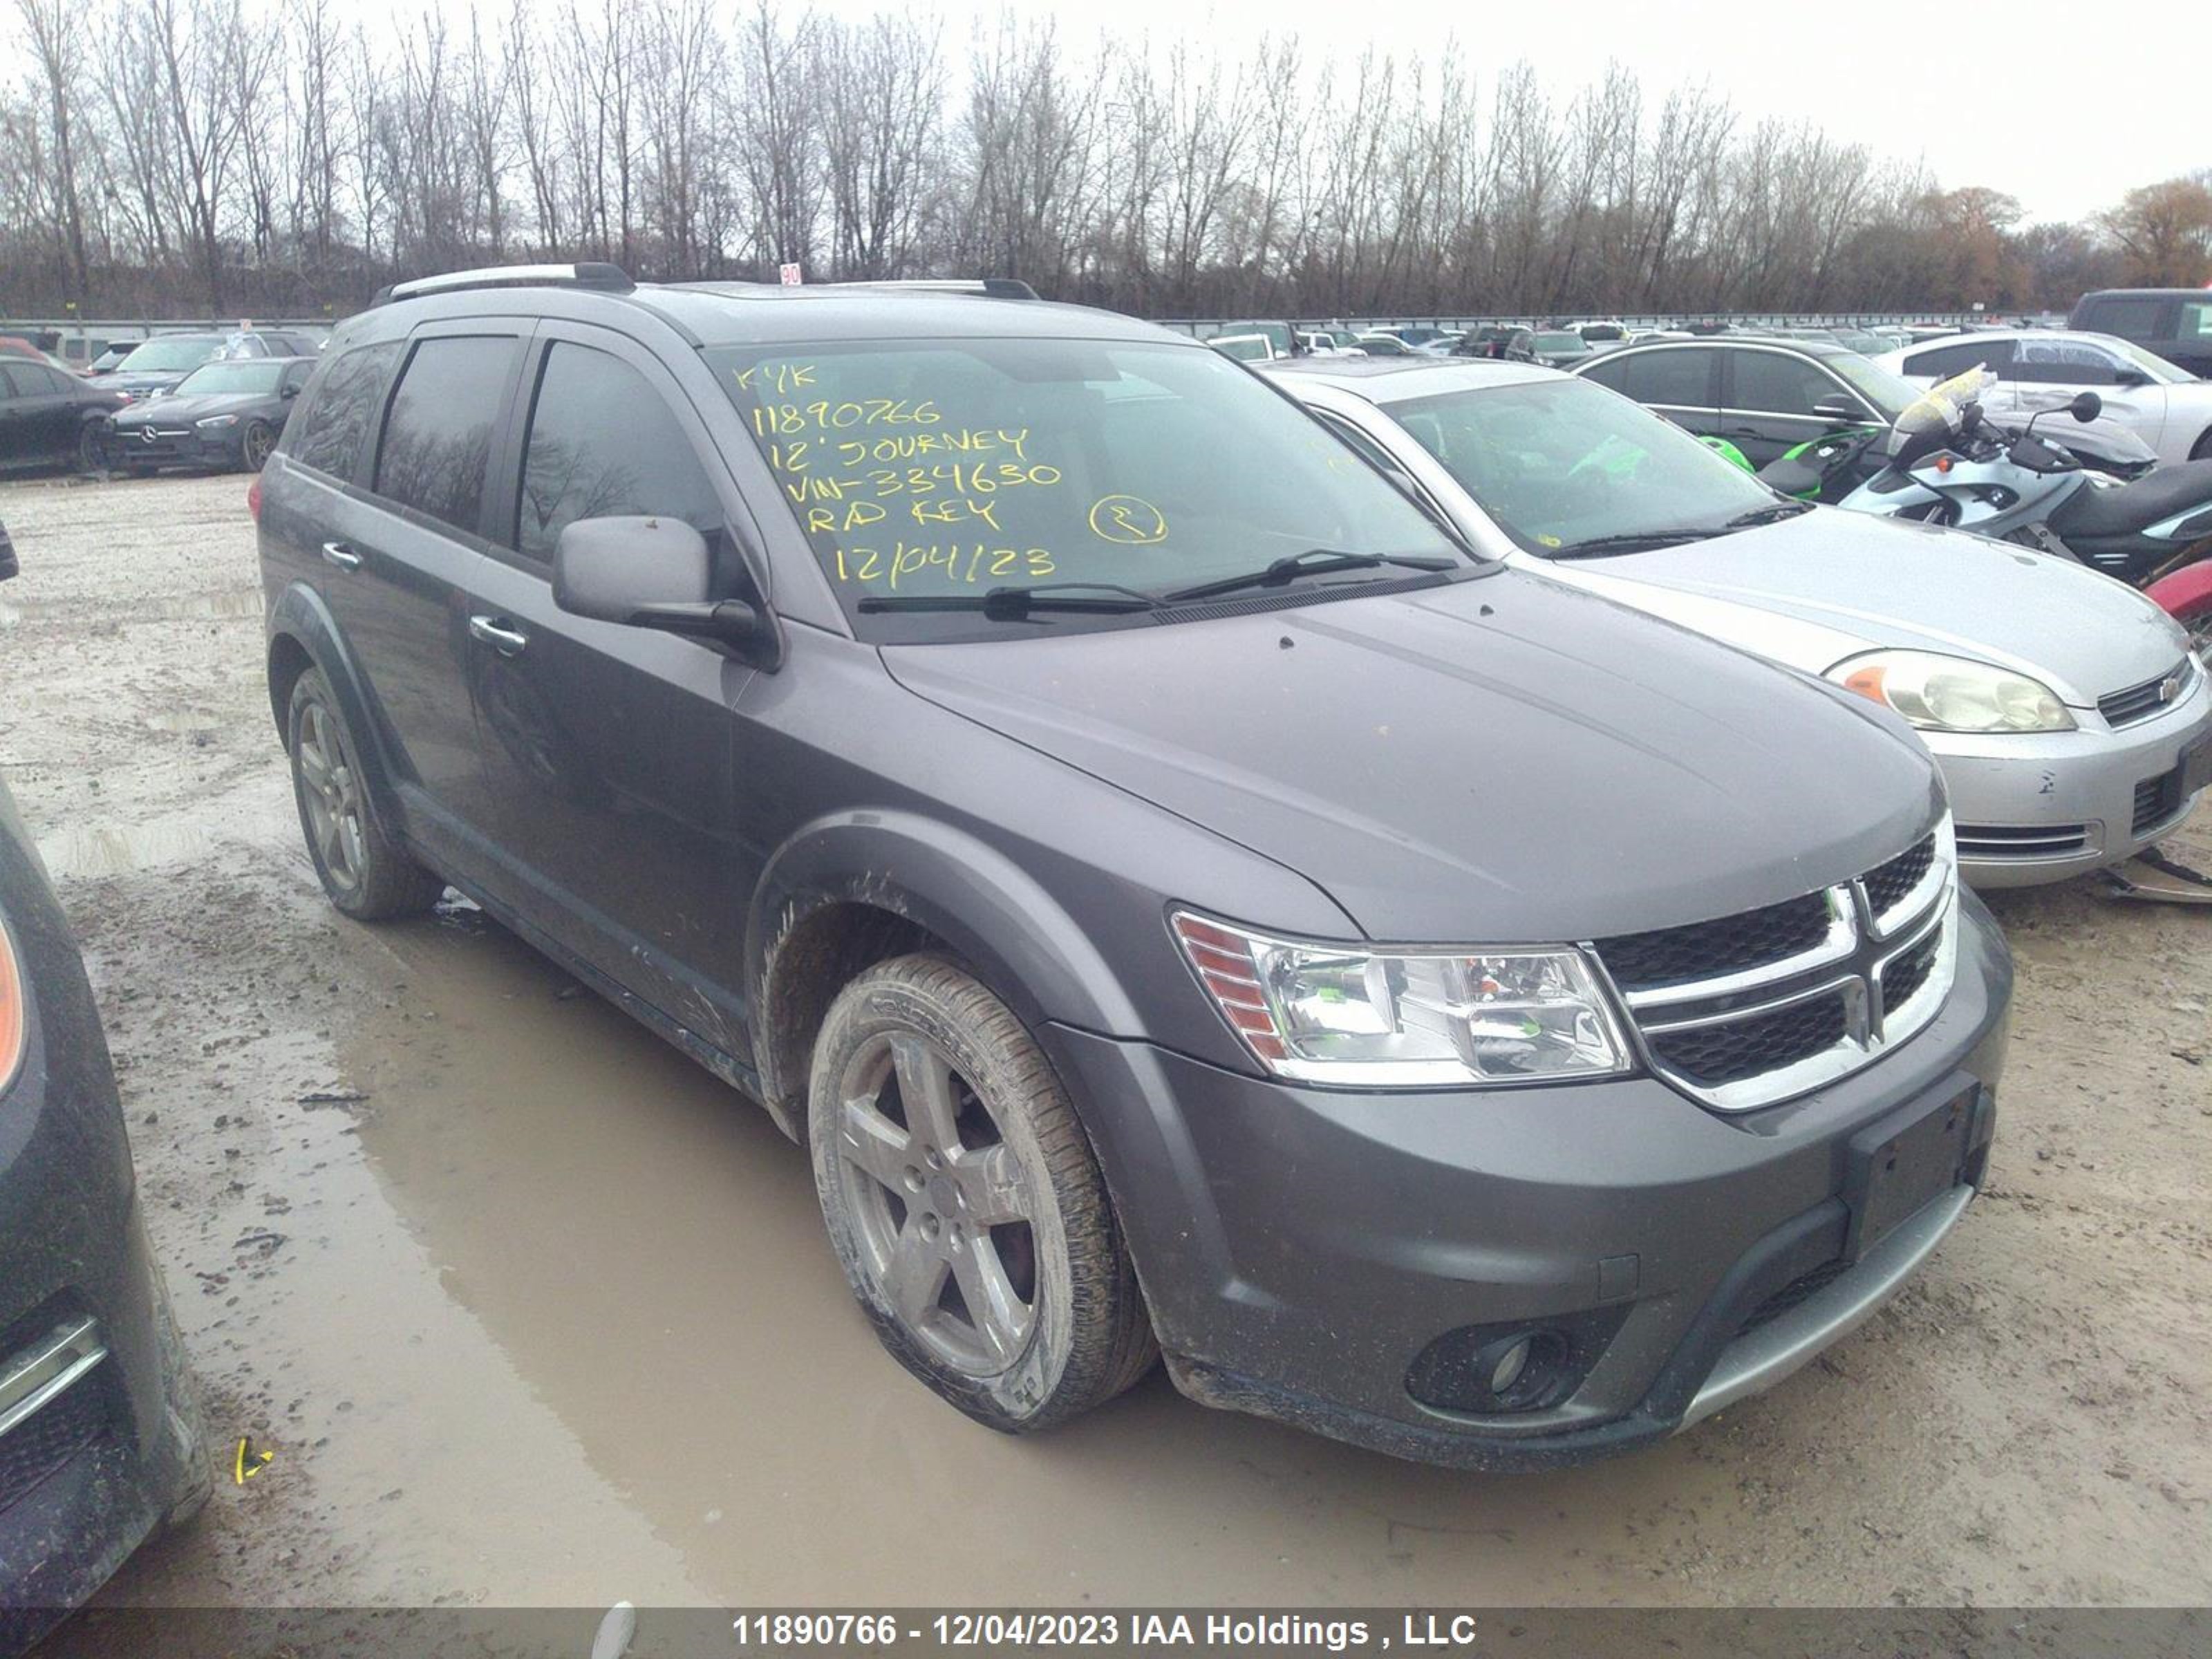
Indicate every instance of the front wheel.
{"type": "Point", "coordinates": [964, 1202]}
{"type": "Point", "coordinates": [254, 446]}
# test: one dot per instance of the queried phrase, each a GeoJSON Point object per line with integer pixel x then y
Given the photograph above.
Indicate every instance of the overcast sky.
{"type": "Point", "coordinates": [2043, 101]}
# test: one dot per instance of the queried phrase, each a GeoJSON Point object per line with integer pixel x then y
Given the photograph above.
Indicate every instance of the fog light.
{"type": "Point", "coordinates": [1511, 1364]}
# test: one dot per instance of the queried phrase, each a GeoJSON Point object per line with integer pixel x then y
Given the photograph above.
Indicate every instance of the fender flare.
{"type": "Point", "coordinates": [2185, 590]}
{"type": "Point", "coordinates": [951, 883]}
{"type": "Point", "coordinates": [301, 616]}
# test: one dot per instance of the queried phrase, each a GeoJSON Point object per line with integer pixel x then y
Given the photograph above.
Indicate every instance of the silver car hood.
{"type": "Point", "coordinates": [1826, 585]}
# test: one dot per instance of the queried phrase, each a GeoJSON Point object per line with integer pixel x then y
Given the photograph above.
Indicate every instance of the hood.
{"type": "Point", "coordinates": [1828, 584]}
{"type": "Point", "coordinates": [164, 409]}
{"type": "Point", "coordinates": [1498, 760]}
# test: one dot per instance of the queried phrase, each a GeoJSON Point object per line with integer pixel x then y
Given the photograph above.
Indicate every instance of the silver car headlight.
{"type": "Point", "coordinates": [1938, 693]}
{"type": "Point", "coordinates": [1347, 1015]}
{"type": "Point", "coordinates": [214, 422]}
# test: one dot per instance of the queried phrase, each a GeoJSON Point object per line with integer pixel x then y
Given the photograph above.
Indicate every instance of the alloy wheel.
{"type": "Point", "coordinates": [943, 1204]}
{"type": "Point", "coordinates": [331, 791]}
{"type": "Point", "coordinates": [256, 446]}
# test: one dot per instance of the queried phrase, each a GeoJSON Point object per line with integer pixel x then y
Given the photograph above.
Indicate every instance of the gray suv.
{"type": "Point", "coordinates": [1186, 902]}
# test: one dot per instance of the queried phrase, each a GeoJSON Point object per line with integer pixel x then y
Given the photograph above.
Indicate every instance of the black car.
{"type": "Point", "coordinates": [158, 364]}
{"type": "Point", "coordinates": [112, 357]}
{"type": "Point", "coordinates": [1062, 782]}
{"type": "Point", "coordinates": [1764, 396]}
{"type": "Point", "coordinates": [2175, 323]}
{"type": "Point", "coordinates": [49, 419]}
{"type": "Point", "coordinates": [224, 415]}
{"type": "Point", "coordinates": [100, 1438]}
{"type": "Point", "coordinates": [1508, 341]}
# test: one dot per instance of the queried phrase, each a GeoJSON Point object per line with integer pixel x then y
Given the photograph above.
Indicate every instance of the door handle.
{"type": "Point", "coordinates": [342, 555]}
{"type": "Point", "coordinates": [499, 634]}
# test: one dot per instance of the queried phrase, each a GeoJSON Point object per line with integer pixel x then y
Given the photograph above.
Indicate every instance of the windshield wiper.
{"type": "Point", "coordinates": [1314, 561]}
{"type": "Point", "coordinates": [1633, 541]}
{"type": "Point", "coordinates": [1014, 603]}
{"type": "Point", "coordinates": [1773, 515]}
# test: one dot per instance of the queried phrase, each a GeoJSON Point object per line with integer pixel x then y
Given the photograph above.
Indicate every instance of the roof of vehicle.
{"type": "Point", "coordinates": [2148, 294]}
{"type": "Point", "coordinates": [1392, 380]}
{"type": "Point", "coordinates": [1769, 342]}
{"type": "Point", "coordinates": [749, 314]}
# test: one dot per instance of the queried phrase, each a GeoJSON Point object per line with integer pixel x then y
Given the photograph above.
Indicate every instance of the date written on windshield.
{"type": "Point", "coordinates": [973, 563]}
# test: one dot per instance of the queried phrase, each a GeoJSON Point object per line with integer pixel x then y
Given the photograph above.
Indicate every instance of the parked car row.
{"type": "Point", "coordinates": [210, 401]}
{"type": "Point", "coordinates": [1088, 792]}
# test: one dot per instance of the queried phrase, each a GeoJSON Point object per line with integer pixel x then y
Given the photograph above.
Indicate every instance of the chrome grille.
{"type": "Point", "coordinates": [2136, 702]}
{"type": "Point", "coordinates": [1777, 1008]}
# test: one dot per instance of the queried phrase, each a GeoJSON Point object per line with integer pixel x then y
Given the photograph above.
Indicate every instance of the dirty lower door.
{"type": "Point", "coordinates": [607, 749]}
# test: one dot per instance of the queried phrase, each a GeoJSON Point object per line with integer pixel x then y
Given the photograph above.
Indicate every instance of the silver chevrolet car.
{"type": "Point", "coordinates": [2073, 725]}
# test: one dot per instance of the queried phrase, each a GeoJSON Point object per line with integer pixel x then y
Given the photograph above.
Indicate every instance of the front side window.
{"type": "Point", "coordinates": [1776, 383]}
{"type": "Point", "coordinates": [946, 468]}
{"type": "Point", "coordinates": [437, 437]}
{"type": "Point", "coordinates": [1942, 363]}
{"type": "Point", "coordinates": [603, 443]}
{"type": "Point", "coordinates": [1562, 466]}
{"type": "Point", "coordinates": [339, 417]}
{"type": "Point", "coordinates": [2063, 362]}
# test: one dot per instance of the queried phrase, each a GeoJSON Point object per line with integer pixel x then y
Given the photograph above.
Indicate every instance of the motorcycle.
{"type": "Point", "coordinates": [1943, 463]}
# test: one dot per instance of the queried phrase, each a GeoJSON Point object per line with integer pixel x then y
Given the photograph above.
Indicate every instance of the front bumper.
{"type": "Point", "coordinates": [2036, 808]}
{"type": "Point", "coordinates": [173, 445]}
{"type": "Point", "coordinates": [100, 1437]}
{"type": "Point", "coordinates": [1301, 1247]}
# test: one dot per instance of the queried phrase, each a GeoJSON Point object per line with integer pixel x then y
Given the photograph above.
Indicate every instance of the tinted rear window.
{"type": "Point", "coordinates": [342, 411]}
{"type": "Point", "coordinates": [2134, 320]}
{"type": "Point", "coordinates": [437, 439]}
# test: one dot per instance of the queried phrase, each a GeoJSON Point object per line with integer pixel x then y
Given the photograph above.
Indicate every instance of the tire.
{"type": "Point", "coordinates": [91, 448]}
{"type": "Point", "coordinates": [365, 874]}
{"type": "Point", "coordinates": [2202, 451]}
{"type": "Point", "coordinates": [909, 1192]}
{"type": "Point", "coordinates": [254, 444]}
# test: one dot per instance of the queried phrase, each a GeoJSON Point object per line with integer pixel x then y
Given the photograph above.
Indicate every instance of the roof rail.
{"type": "Point", "coordinates": [996, 287]}
{"type": "Point", "coordinates": [584, 274]}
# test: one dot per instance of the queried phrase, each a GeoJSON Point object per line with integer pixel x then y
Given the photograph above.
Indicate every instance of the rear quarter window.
{"type": "Point", "coordinates": [2131, 320]}
{"type": "Point", "coordinates": [341, 410]}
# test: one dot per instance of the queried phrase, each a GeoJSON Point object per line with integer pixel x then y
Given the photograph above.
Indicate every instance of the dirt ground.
{"type": "Point", "coordinates": [529, 1310]}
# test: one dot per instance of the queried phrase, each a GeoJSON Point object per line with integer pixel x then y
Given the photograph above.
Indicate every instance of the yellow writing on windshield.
{"type": "Point", "coordinates": [850, 464]}
{"type": "Point", "coordinates": [1129, 519]}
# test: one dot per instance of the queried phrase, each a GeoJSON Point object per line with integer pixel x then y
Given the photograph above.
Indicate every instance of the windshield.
{"type": "Point", "coordinates": [946, 468]}
{"type": "Point", "coordinates": [1940, 412]}
{"type": "Point", "coordinates": [259, 376]}
{"type": "Point", "coordinates": [1559, 462]}
{"type": "Point", "coordinates": [1560, 342]}
{"type": "Point", "coordinates": [1890, 394]}
{"type": "Point", "coordinates": [167, 356]}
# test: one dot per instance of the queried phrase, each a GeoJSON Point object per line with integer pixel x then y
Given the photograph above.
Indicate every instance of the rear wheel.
{"type": "Point", "coordinates": [254, 446]}
{"type": "Point", "coordinates": [91, 448]}
{"type": "Point", "coordinates": [364, 874]}
{"type": "Point", "coordinates": [964, 1202]}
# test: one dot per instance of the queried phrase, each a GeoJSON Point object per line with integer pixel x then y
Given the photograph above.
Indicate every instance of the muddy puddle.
{"type": "Point", "coordinates": [643, 1248]}
{"type": "Point", "coordinates": [117, 847]}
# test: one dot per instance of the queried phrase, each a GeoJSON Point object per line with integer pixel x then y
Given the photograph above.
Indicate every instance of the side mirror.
{"type": "Point", "coordinates": [2085, 407]}
{"type": "Point", "coordinates": [1839, 411]}
{"type": "Point", "coordinates": [654, 572]}
{"type": "Point", "coordinates": [288, 391]}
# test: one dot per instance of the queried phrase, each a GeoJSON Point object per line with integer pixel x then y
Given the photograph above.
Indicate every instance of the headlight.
{"type": "Point", "coordinates": [12, 1023]}
{"type": "Point", "coordinates": [215, 421]}
{"type": "Point", "coordinates": [1346, 1015]}
{"type": "Point", "coordinates": [1954, 694]}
